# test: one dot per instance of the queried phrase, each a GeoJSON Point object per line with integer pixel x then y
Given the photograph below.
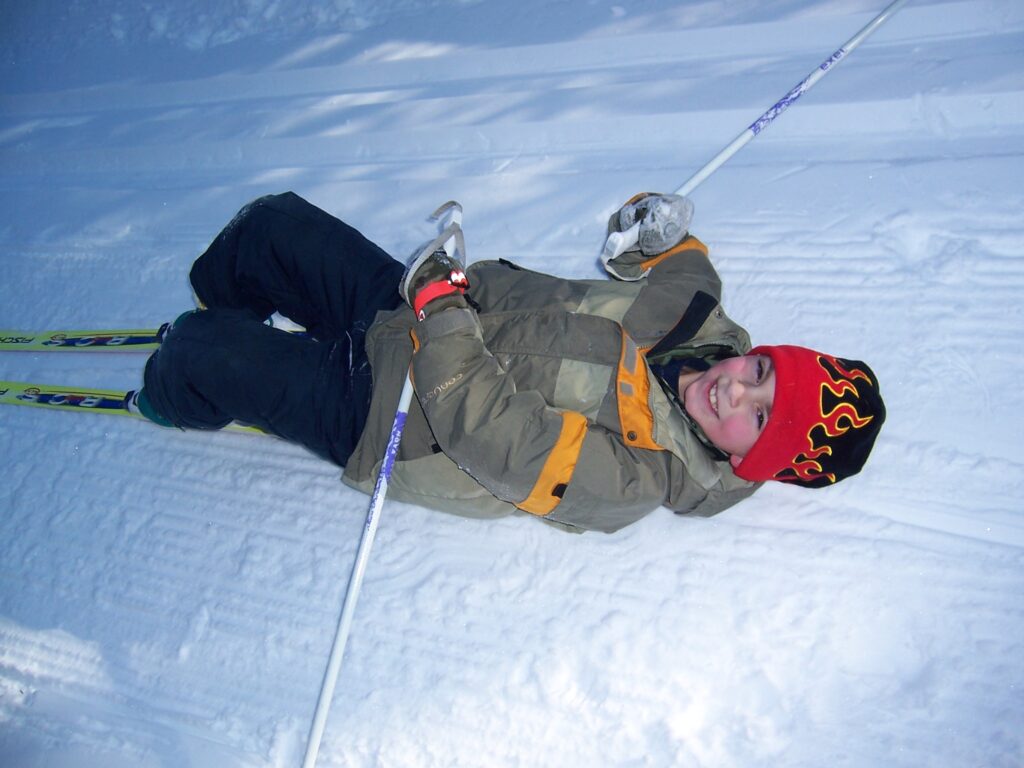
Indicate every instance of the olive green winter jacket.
{"type": "Point", "coordinates": [542, 401]}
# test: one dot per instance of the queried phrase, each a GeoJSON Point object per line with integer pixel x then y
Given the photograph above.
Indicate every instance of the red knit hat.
{"type": "Point", "coordinates": [824, 419]}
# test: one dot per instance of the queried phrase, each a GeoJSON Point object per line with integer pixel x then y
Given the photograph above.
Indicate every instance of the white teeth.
{"type": "Point", "coordinates": [713, 397]}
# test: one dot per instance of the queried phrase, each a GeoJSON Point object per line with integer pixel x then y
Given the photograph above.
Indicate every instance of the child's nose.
{"type": "Point", "coordinates": [735, 389]}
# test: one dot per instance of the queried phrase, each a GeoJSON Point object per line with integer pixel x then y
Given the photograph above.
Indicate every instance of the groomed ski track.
{"type": "Point", "coordinates": [168, 598]}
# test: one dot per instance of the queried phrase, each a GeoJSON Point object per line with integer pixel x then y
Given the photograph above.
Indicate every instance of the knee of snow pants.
{"type": "Point", "coordinates": [281, 253]}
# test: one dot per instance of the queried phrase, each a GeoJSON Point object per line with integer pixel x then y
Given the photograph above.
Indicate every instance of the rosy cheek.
{"type": "Point", "coordinates": [738, 431]}
{"type": "Point", "coordinates": [733, 365]}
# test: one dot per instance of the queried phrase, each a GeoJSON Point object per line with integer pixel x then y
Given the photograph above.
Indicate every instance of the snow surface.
{"type": "Point", "coordinates": [169, 599]}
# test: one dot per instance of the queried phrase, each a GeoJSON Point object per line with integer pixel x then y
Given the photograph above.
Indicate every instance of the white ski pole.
{"type": "Point", "coordinates": [618, 242]}
{"type": "Point", "coordinates": [453, 215]}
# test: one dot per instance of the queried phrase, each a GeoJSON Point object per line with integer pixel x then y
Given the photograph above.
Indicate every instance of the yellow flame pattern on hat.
{"type": "Point", "coordinates": [841, 382]}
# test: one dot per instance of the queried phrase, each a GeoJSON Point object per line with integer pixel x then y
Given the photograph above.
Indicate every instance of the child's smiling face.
{"type": "Point", "coordinates": [731, 401]}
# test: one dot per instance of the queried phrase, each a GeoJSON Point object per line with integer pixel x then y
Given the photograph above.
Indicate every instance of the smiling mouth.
{"type": "Point", "coordinates": [713, 397]}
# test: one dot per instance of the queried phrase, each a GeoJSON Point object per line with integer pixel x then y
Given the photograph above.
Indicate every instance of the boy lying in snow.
{"type": "Point", "coordinates": [587, 403]}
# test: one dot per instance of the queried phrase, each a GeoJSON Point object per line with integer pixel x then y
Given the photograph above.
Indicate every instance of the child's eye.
{"type": "Point", "coordinates": [761, 419]}
{"type": "Point", "coordinates": [760, 371]}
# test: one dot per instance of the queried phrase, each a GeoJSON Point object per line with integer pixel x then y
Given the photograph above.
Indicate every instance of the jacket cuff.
{"type": "Point", "coordinates": [446, 323]}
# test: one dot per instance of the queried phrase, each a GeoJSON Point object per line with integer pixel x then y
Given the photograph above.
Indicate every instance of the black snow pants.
{"type": "Point", "coordinates": [280, 253]}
